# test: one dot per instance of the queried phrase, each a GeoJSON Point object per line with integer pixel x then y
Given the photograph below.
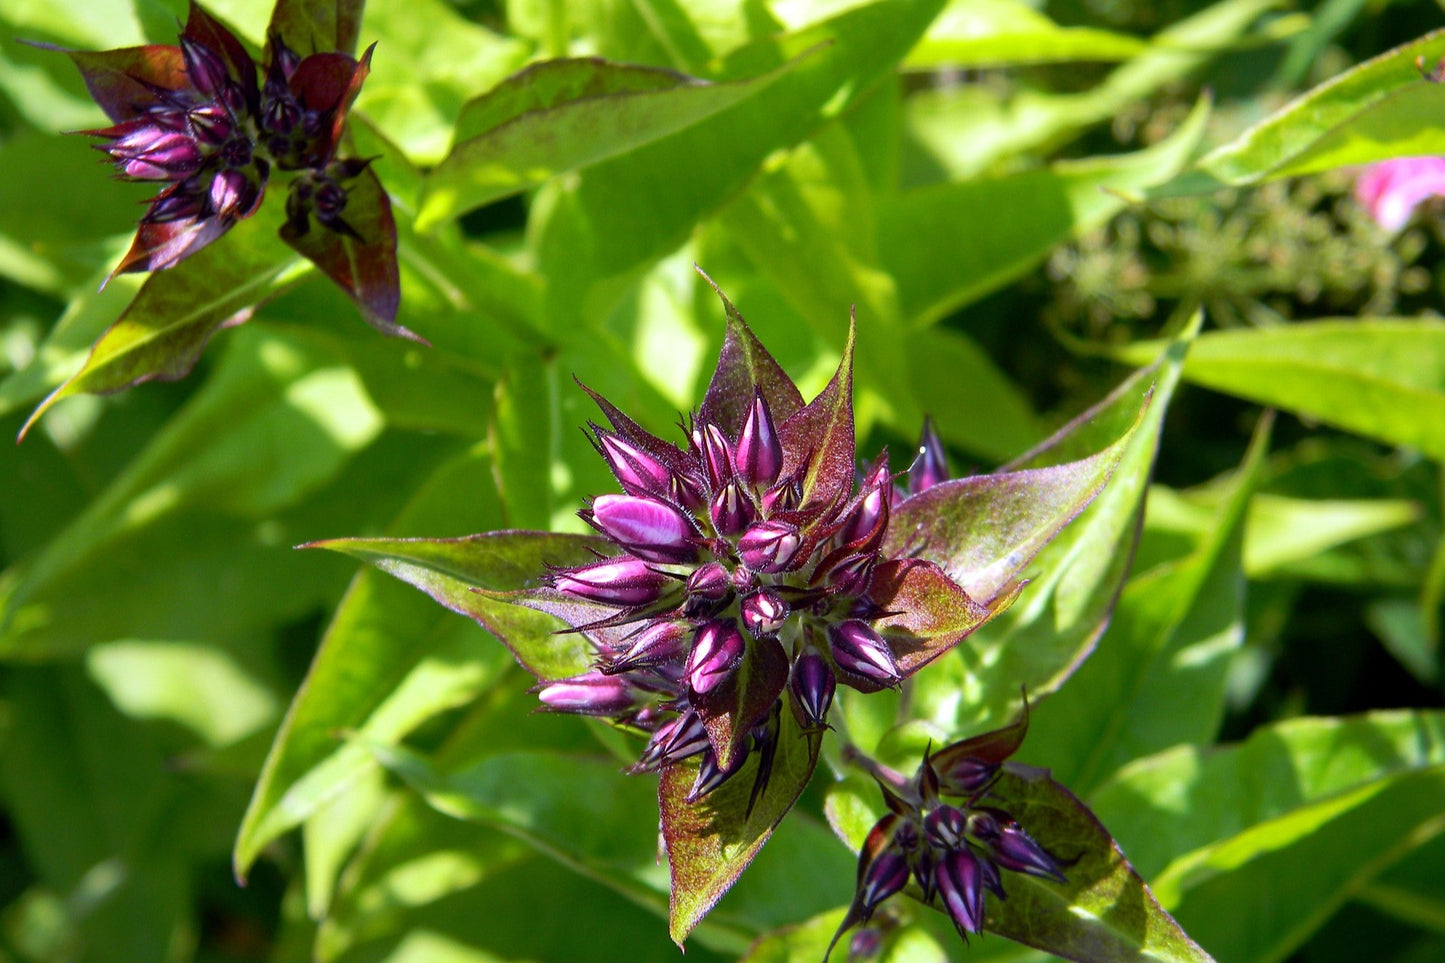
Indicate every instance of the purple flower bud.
{"type": "Point", "coordinates": [212, 124]}
{"type": "Point", "coordinates": [649, 529]}
{"type": "Point", "coordinates": [865, 944]}
{"type": "Point", "coordinates": [860, 651]}
{"type": "Point", "coordinates": [280, 114]}
{"type": "Point", "coordinates": [885, 875]}
{"type": "Point", "coordinates": [768, 547]}
{"type": "Point", "coordinates": [966, 775]}
{"type": "Point", "coordinates": [636, 471]}
{"type": "Point", "coordinates": [613, 581]}
{"type": "Point", "coordinates": [759, 454]}
{"type": "Point", "coordinates": [925, 870]}
{"type": "Point", "coordinates": [812, 685]}
{"type": "Point", "coordinates": [871, 513]}
{"type": "Point", "coordinates": [710, 582]}
{"type": "Point", "coordinates": [178, 205]}
{"type": "Point", "coordinates": [593, 694]}
{"type": "Point", "coordinates": [782, 497]}
{"type": "Point", "coordinates": [731, 510]}
{"type": "Point", "coordinates": [961, 883]}
{"type": "Point", "coordinates": [991, 879]}
{"type": "Point", "coordinates": [717, 455]}
{"type": "Point", "coordinates": [156, 154]}
{"type": "Point", "coordinates": [204, 67]}
{"type": "Point", "coordinates": [231, 191]}
{"type": "Point", "coordinates": [764, 613]}
{"type": "Point", "coordinates": [674, 740]}
{"type": "Point", "coordinates": [931, 465]}
{"type": "Point", "coordinates": [659, 642]}
{"type": "Point", "coordinates": [710, 775]}
{"type": "Point", "coordinates": [1015, 850]}
{"type": "Point", "coordinates": [944, 827]}
{"type": "Point", "coordinates": [717, 648]}
{"type": "Point", "coordinates": [853, 574]}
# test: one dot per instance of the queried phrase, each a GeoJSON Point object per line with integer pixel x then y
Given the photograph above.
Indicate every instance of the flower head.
{"type": "Point", "coordinates": [203, 120]}
{"type": "Point", "coordinates": [942, 832]}
{"type": "Point", "coordinates": [748, 575]}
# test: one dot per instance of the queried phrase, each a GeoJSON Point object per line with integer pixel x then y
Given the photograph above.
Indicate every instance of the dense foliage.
{"type": "Point", "coordinates": [1179, 351]}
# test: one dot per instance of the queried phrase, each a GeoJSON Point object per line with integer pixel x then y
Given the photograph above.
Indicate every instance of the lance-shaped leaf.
{"type": "Point", "coordinates": [991, 33]}
{"type": "Point", "coordinates": [328, 83]}
{"type": "Point", "coordinates": [162, 332]}
{"type": "Point", "coordinates": [744, 369]}
{"type": "Point", "coordinates": [1104, 912]}
{"type": "Point", "coordinates": [121, 81]}
{"type": "Point", "coordinates": [317, 26]}
{"type": "Point", "coordinates": [820, 437]}
{"type": "Point", "coordinates": [559, 115]}
{"type": "Point", "coordinates": [930, 614]}
{"type": "Point", "coordinates": [206, 30]}
{"type": "Point", "coordinates": [362, 261]}
{"type": "Point", "coordinates": [451, 570]}
{"type": "Point", "coordinates": [985, 529]}
{"type": "Point", "coordinates": [710, 842]}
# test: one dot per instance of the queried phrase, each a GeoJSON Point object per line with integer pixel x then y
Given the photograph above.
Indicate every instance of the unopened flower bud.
{"type": "Point", "coordinates": [179, 205]}
{"type": "Point", "coordinates": [717, 648]}
{"type": "Point", "coordinates": [593, 694]}
{"type": "Point", "coordinates": [960, 883]}
{"type": "Point", "coordinates": [966, 775]}
{"type": "Point", "coordinates": [204, 67]}
{"type": "Point", "coordinates": [731, 510]}
{"type": "Point", "coordinates": [152, 153]}
{"type": "Point", "coordinates": [759, 454]}
{"type": "Point", "coordinates": [764, 613]}
{"type": "Point", "coordinates": [676, 739]}
{"type": "Point", "coordinates": [710, 582]}
{"type": "Point", "coordinates": [931, 465]}
{"type": "Point", "coordinates": [860, 651]}
{"type": "Point", "coordinates": [717, 455]}
{"type": "Point", "coordinates": [850, 575]}
{"type": "Point", "coordinates": [613, 581]}
{"type": "Point", "coordinates": [768, 547]}
{"type": "Point", "coordinates": [945, 826]}
{"type": "Point", "coordinates": [636, 471]}
{"type": "Point", "coordinates": [659, 642]}
{"type": "Point", "coordinates": [871, 513]}
{"type": "Point", "coordinates": [812, 685]}
{"type": "Point", "coordinates": [885, 875]}
{"type": "Point", "coordinates": [1015, 850]}
{"type": "Point", "coordinates": [710, 775]}
{"type": "Point", "coordinates": [647, 528]}
{"type": "Point", "coordinates": [865, 945]}
{"type": "Point", "coordinates": [231, 191]}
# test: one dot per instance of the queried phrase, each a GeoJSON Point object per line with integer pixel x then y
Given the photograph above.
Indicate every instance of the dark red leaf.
{"type": "Point", "coordinates": [160, 246]}
{"type": "Point", "coordinates": [931, 612]}
{"type": "Point", "coordinates": [820, 437]}
{"type": "Point", "coordinates": [729, 711]}
{"type": "Point", "coordinates": [118, 79]}
{"type": "Point", "coordinates": [207, 30]}
{"type": "Point", "coordinates": [365, 269]}
{"type": "Point", "coordinates": [328, 83]}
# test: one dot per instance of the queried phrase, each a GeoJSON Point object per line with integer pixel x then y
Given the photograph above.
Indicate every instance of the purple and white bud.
{"type": "Point", "coordinates": [659, 642]}
{"type": "Point", "coordinates": [593, 694]}
{"type": "Point", "coordinates": [636, 471]}
{"type": "Point", "coordinates": [717, 649]}
{"type": "Point", "coordinates": [230, 191]}
{"type": "Point", "coordinates": [759, 454]}
{"type": "Point", "coordinates": [769, 547]}
{"type": "Point", "coordinates": [944, 827]}
{"type": "Point", "coordinates": [177, 205]}
{"type": "Point", "coordinates": [850, 575]}
{"type": "Point", "coordinates": [1015, 850]}
{"type": "Point", "coordinates": [885, 875]}
{"type": "Point", "coordinates": [925, 870]}
{"type": "Point", "coordinates": [860, 651]}
{"type": "Point", "coordinates": [212, 124]}
{"type": "Point", "coordinates": [731, 509]}
{"type": "Point", "coordinates": [204, 67]}
{"type": "Point", "coordinates": [717, 457]}
{"type": "Point", "coordinates": [782, 497]}
{"type": "Point", "coordinates": [764, 613]}
{"type": "Point", "coordinates": [961, 883]}
{"type": "Point", "coordinates": [931, 465]}
{"type": "Point", "coordinates": [613, 581]}
{"type": "Point", "coordinates": [966, 775]}
{"type": "Point", "coordinates": [675, 739]}
{"type": "Point", "coordinates": [710, 582]}
{"type": "Point", "coordinates": [647, 528]}
{"type": "Point", "coordinates": [870, 515]}
{"type": "Point", "coordinates": [156, 154]}
{"type": "Point", "coordinates": [710, 775]}
{"type": "Point", "coordinates": [812, 685]}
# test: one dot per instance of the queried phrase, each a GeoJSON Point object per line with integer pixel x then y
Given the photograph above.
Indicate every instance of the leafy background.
{"type": "Point", "coordinates": [1025, 202]}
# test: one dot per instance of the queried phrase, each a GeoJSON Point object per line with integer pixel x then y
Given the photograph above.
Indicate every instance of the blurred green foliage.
{"type": "Point", "coordinates": [1024, 201]}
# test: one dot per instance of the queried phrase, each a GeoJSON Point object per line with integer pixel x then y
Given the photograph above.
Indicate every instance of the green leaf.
{"type": "Point", "coordinates": [317, 26]}
{"type": "Point", "coordinates": [984, 530]}
{"type": "Point", "coordinates": [559, 115]}
{"type": "Point", "coordinates": [995, 33]}
{"type": "Point", "coordinates": [946, 245]}
{"type": "Point", "coordinates": [711, 842]}
{"type": "Point", "coordinates": [389, 660]}
{"type": "Point", "coordinates": [625, 212]}
{"type": "Point", "coordinates": [1158, 676]}
{"type": "Point", "coordinates": [1382, 378]}
{"type": "Point", "coordinates": [162, 332]}
{"type": "Point", "coordinates": [1381, 108]}
{"type": "Point", "coordinates": [1104, 912]}
{"type": "Point", "coordinates": [1327, 803]}
{"type": "Point", "coordinates": [522, 443]}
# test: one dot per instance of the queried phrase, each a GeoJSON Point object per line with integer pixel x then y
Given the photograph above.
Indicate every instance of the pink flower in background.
{"type": "Point", "coordinates": [1392, 189]}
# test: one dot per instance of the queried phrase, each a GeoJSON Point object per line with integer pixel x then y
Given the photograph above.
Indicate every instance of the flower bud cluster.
{"type": "Point", "coordinates": [723, 570]}
{"type": "Point", "coordinates": [942, 835]}
{"type": "Point", "coordinates": [214, 139]}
